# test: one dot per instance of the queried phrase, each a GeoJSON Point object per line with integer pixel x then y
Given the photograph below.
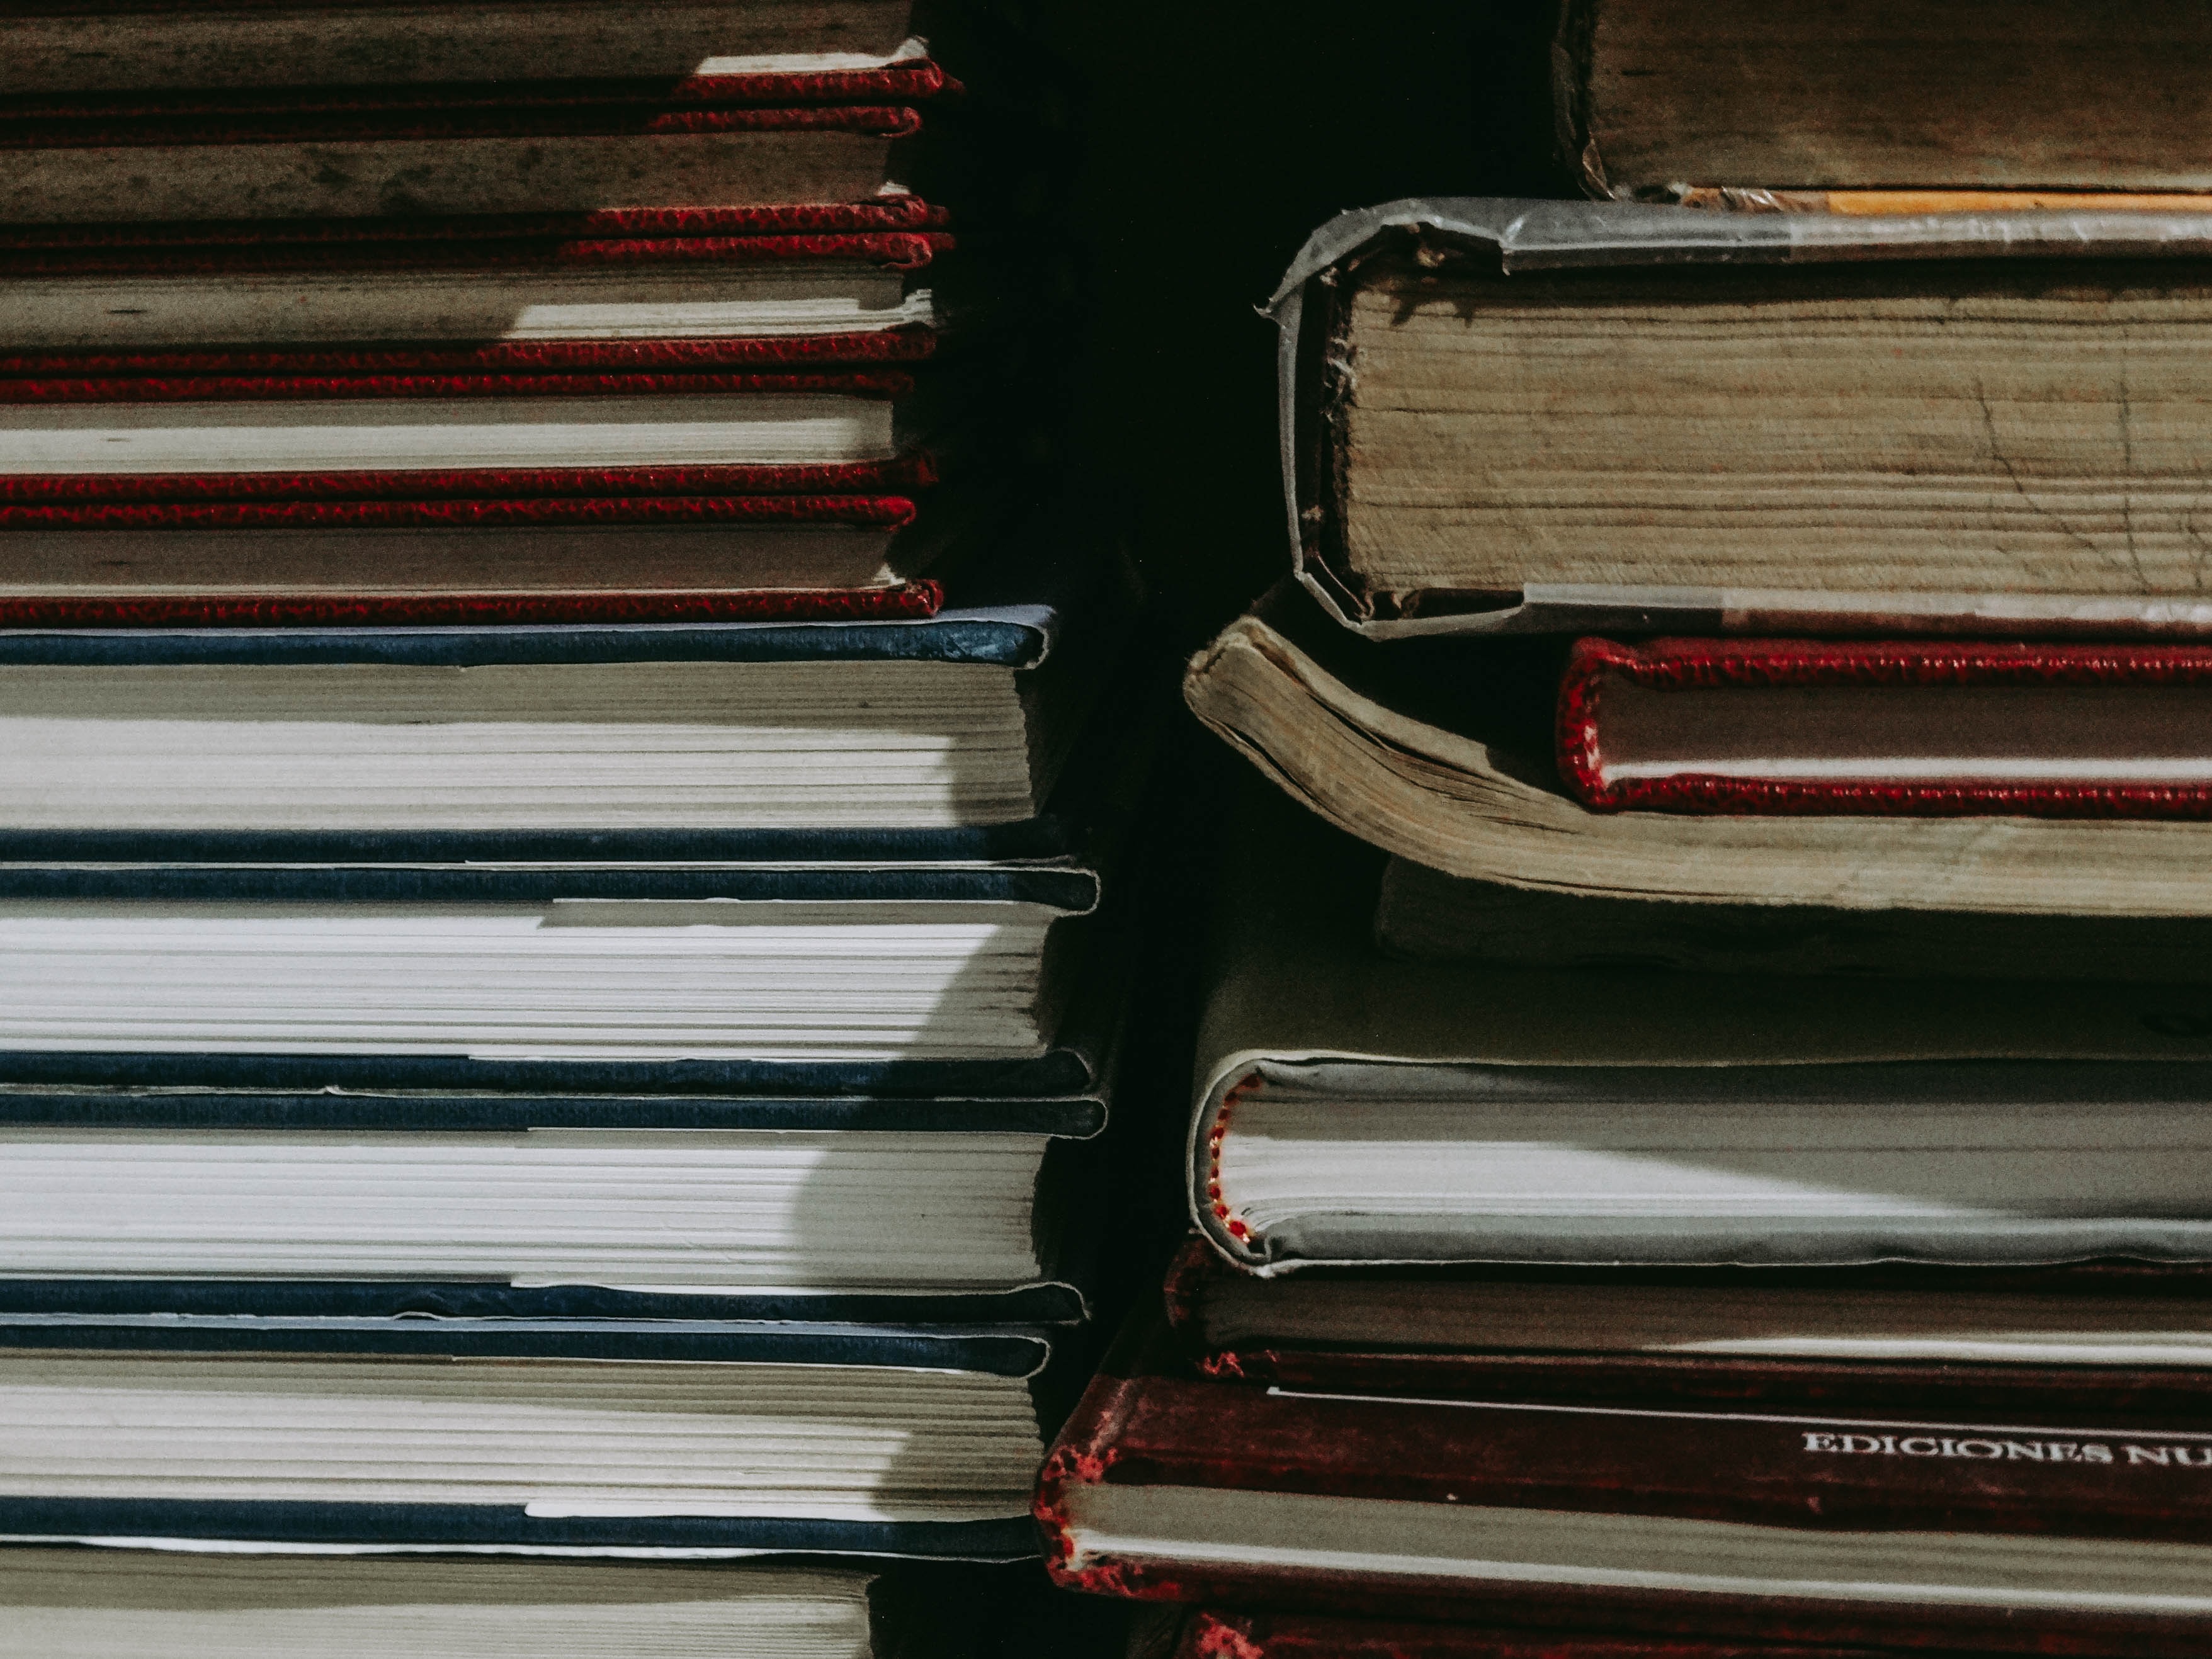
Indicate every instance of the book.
{"type": "Point", "coordinates": [1431, 753]}
{"type": "Point", "coordinates": [1925, 1530]}
{"type": "Point", "coordinates": [1354, 1109]}
{"type": "Point", "coordinates": [1654, 92]}
{"type": "Point", "coordinates": [2109, 1336]}
{"type": "Point", "coordinates": [348, 421]}
{"type": "Point", "coordinates": [822, 285]}
{"type": "Point", "coordinates": [1591, 416]}
{"type": "Point", "coordinates": [568, 144]}
{"type": "Point", "coordinates": [376, 1202]}
{"type": "Point", "coordinates": [542, 1437]}
{"type": "Point", "coordinates": [563, 978]}
{"type": "Point", "coordinates": [1217, 1633]}
{"type": "Point", "coordinates": [1425, 914]}
{"type": "Point", "coordinates": [1934, 728]}
{"type": "Point", "coordinates": [207, 1605]}
{"type": "Point", "coordinates": [966, 719]}
{"type": "Point", "coordinates": [121, 45]}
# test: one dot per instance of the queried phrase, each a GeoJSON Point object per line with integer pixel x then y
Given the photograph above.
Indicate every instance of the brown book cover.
{"type": "Point", "coordinates": [2104, 1337]}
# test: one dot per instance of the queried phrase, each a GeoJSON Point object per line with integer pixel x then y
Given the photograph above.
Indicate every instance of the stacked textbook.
{"type": "Point", "coordinates": [1699, 1137]}
{"type": "Point", "coordinates": [556, 912]}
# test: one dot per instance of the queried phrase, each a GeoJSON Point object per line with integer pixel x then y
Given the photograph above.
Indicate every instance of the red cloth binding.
{"type": "Point", "coordinates": [1690, 664]}
{"type": "Point", "coordinates": [881, 512]}
{"type": "Point", "coordinates": [904, 345]}
{"type": "Point", "coordinates": [296, 388]}
{"type": "Point", "coordinates": [893, 251]}
{"type": "Point", "coordinates": [585, 120]}
{"type": "Point", "coordinates": [916, 470]}
{"type": "Point", "coordinates": [896, 83]}
{"type": "Point", "coordinates": [912, 601]}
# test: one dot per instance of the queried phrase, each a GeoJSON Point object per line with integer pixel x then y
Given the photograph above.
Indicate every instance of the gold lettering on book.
{"type": "Point", "coordinates": [1991, 1448]}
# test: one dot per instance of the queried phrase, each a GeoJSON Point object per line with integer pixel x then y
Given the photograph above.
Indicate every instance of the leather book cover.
{"type": "Point", "coordinates": [1712, 668]}
{"type": "Point", "coordinates": [1938, 1530]}
{"type": "Point", "coordinates": [1213, 1633]}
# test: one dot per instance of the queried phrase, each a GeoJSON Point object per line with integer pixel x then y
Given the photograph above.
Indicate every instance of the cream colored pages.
{"type": "Point", "coordinates": [1454, 804]}
{"type": "Point", "coordinates": [1299, 984]}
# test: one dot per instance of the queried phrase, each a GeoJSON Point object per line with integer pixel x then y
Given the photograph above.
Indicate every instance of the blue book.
{"type": "Point", "coordinates": [696, 1437]}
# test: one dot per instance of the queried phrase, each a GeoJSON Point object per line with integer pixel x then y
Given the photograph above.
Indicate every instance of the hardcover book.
{"type": "Point", "coordinates": [1428, 916]}
{"type": "Point", "coordinates": [1355, 1109]}
{"type": "Point", "coordinates": [1215, 1633]}
{"type": "Point", "coordinates": [1906, 727]}
{"type": "Point", "coordinates": [1447, 761]}
{"type": "Point", "coordinates": [2041, 95]}
{"type": "Point", "coordinates": [1502, 415]}
{"type": "Point", "coordinates": [2032, 1534]}
{"type": "Point", "coordinates": [224, 1605]}
{"type": "Point", "coordinates": [2108, 1336]}
{"type": "Point", "coordinates": [590, 1436]}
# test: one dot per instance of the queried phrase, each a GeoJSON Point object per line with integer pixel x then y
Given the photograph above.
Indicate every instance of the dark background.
{"type": "Point", "coordinates": [1219, 136]}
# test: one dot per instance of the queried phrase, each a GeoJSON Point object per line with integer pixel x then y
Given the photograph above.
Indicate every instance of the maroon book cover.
{"type": "Point", "coordinates": [1242, 1347]}
{"type": "Point", "coordinates": [881, 101]}
{"type": "Point", "coordinates": [1926, 728]}
{"type": "Point", "coordinates": [1938, 1530]}
{"type": "Point", "coordinates": [916, 470]}
{"type": "Point", "coordinates": [1213, 1633]}
{"type": "Point", "coordinates": [903, 234]}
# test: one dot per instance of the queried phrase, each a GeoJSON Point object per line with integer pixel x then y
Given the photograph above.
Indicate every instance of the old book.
{"type": "Point", "coordinates": [1932, 1528]}
{"type": "Point", "coordinates": [1431, 757]}
{"type": "Point", "coordinates": [1425, 914]}
{"type": "Point", "coordinates": [67, 46]}
{"type": "Point", "coordinates": [1652, 93]}
{"type": "Point", "coordinates": [965, 719]}
{"type": "Point", "coordinates": [1354, 1109]}
{"type": "Point", "coordinates": [1504, 414]}
{"type": "Point", "coordinates": [1218, 1633]}
{"type": "Point", "coordinates": [1925, 728]}
{"type": "Point", "coordinates": [219, 1605]}
{"type": "Point", "coordinates": [679, 1206]}
{"type": "Point", "coordinates": [2102, 1336]}
{"type": "Point", "coordinates": [558, 1437]}
{"type": "Point", "coordinates": [822, 285]}
{"type": "Point", "coordinates": [588, 140]}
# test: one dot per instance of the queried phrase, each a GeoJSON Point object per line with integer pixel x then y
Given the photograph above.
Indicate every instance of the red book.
{"type": "Point", "coordinates": [2039, 1535]}
{"type": "Point", "coordinates": [1213, 1634]}
{"type": "Point", "coordinates": [1907, 728]}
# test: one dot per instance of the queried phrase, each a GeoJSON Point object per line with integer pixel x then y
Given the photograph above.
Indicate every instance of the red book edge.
{"type": "Point", "coordinates": [878, 384]}
{"type": "Point", "coordinates": [648, 119]}
{"type": "Point", "coordinates": [1691, 665]}
{"type": "Point", "coordinates": [902, 213]}
{"type": "Point", "coordinates": [876, 512]}
{"type": "Point", "coordinates": [915, 470]}
{"type": "Point", "coordinates": [905, 343]}
{"type": "Point", "coordinates": [909, 82]}
{"type": "Point", "coordinates": [1213, 1633]}
{"type": "Point", "coordinates": [912, 601]}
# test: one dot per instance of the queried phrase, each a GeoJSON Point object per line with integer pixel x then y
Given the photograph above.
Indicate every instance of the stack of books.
{"type": "Point", "coordinates": [559, 954]}
{"type": "Point", "coordinates": [1700, 1145]}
